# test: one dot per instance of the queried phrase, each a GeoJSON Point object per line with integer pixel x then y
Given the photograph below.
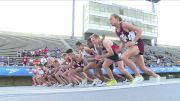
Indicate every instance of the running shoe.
{"type": "Point", "coordinates": [60, 85]}
{"type": "Point", "coordinates": [70, 85]}
{"type": "Point", "coordinates": [100, 84]}
{"type": "Point", "coordinates": [138, 79]}
{"type": "Point", "coordinates": [158, 78]}
{"type": "Point", "coordinates": [111, 82]}
{"type": "Point", "coordinates": [84, 82]}
{"type": "Point", "coordinates": [94, 82]}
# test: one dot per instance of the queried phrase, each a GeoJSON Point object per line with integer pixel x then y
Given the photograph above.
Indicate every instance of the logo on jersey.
{"type": "Point", "coordinates": [131, 36]}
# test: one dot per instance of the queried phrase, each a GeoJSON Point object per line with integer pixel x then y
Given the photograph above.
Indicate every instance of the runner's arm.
{"type": "Point", "coordinates": [133, 28]}
{"type": "Point", "coordinates": [109, 50]}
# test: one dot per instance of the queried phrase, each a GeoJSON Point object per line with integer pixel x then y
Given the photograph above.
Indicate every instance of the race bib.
{"type": "Point", "coordinates": [131, 36]}
{"type": "Point", "coordinates": [123, 37]}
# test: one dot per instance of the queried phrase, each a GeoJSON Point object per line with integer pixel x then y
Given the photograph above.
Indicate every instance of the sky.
{"type": "Point", "coordinates": [43, 17]}
{"type": "Point", "coordinates": [169, 20]}
{"type": "Point", "coordinates": [54, 17]}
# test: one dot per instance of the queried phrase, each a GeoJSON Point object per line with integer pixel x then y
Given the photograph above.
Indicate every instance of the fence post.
{"type": "Point", "coordinates": [8, 60]}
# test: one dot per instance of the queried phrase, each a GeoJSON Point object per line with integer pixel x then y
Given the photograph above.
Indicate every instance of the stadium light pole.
{"type": "Point", "coordinates": [153, 2]}
{"type": "Point", "coordinates": [153, 11]}
{"type": "Point", "coordinates": [73, 18]}
{"type": "Point", "coordinates": [153, 7]}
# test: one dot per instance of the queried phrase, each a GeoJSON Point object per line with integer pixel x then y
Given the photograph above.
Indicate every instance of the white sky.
{"type": "Point", "coordinates": [54, 17]}
{"type": "Point", "coordinates": [36, 16]}
{"type": "Point", "coordinates": [169, 20]}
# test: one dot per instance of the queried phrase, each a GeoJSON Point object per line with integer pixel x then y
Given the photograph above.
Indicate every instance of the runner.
{"type": "Point", "coordinates": [130, 37]}
{"type": "Point", "coordinates": [110, 57]}
{"type": "Point", "coordinates": [76, 70]}
{"type": "Point", "coordinates": [89, 56]}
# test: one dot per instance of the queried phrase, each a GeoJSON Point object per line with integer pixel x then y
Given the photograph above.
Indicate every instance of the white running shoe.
{"type": "Point", "coordinates": [158, 79]}
{"type": "Point", "coordinates": [60, 85]}
{"type": "Point", "coordinates": [55, 85]}
{"type": "Point", "coordinates": [124, 82]}
{"type": "Point", "coordinates": [82, 85]}
{"type": "Point", "coordinates": [101, 84]}
{"type": "Point", "coordinates": [38, 85]}
{"type": "Point", "coordinates": [70, 85]}
{"type": "Point", "coordinates": [138, 79]}
{"type": "Point", "coordinates": [94, 82]}
{"type": "Point", "coordinates": [142, 78]}
{"type": "Point", "coordinates": [44, 85]}
{"type": "Point", "coordinates": [84, 82]}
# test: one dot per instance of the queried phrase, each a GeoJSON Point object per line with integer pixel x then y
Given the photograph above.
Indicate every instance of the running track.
{"type": "Point", "coordinates": [166, 90]}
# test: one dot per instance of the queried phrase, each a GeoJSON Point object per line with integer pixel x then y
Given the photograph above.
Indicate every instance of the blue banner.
{"type": "Point", "coordinates": [15, 71]}
{"type": "Point", "coordinates": [24, 71]}
{"type": "Point", "coordinates": [172, 69]}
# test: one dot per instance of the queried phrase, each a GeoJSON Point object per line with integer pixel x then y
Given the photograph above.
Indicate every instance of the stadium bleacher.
{"type": "Point", "coordinates": [11, 42]}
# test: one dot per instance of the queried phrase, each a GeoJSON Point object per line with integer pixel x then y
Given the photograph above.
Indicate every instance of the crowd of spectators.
{"type": "Point", "coordinates": [29, 58]}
